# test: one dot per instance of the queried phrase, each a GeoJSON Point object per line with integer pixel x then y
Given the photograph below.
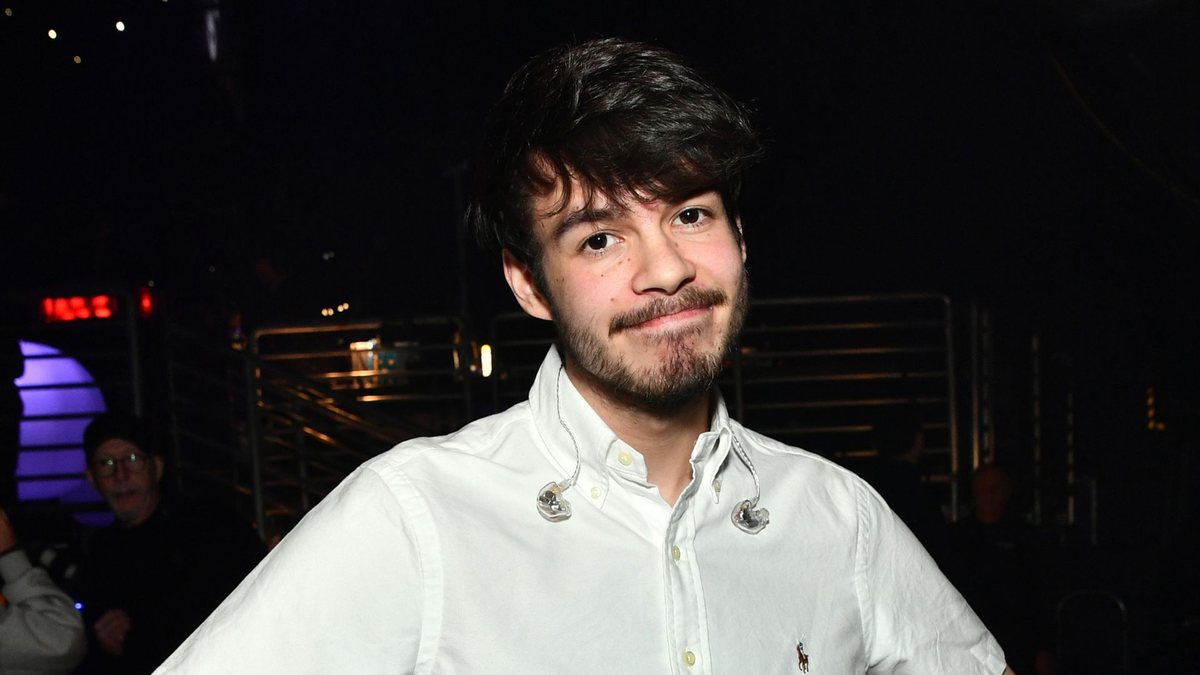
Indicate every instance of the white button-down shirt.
{"type": "Point", "coordinates": [433, 558]}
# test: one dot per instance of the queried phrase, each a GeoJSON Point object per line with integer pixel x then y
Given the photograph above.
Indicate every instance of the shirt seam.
{"type": "Point", "coordinates": [861, 581]}
{"type": "Point", "coordinates": [420, 519]}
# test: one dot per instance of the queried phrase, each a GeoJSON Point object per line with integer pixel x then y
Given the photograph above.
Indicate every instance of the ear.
{"type": "Point", "coordinates": [520, 280]}
{"type": "Point", "coordinates": [158, 469]}
{"type": "Point", "coordinates": [91, 479]}
{"type": "Point", "coordinates": [741, 237]}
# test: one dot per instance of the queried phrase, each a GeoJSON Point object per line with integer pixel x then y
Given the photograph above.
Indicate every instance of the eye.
{"type": "Point", "coordinates": [691, 216]}
{"type": "Point", "coordinates": [598, 241]}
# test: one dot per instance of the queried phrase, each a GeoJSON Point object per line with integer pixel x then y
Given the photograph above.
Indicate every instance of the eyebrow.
{"type": "Point", "coordinates": [584, 216]}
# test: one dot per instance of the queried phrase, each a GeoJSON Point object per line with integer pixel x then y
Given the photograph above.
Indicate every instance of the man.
{"type": "Point", "coordinates": [40, 631]}
{"type": "Point", "coordinates": [1007, 574]}
{"type": "Point", "coordinates": [152, 577]}
{"type": "Point", "coordinates": [609, 181]}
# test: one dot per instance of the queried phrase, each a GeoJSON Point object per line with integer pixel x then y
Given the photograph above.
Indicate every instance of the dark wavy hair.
{"type": "Point", "coordinates": [624, 119]}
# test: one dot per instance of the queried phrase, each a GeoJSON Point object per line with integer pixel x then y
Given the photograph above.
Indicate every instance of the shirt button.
{"type": "Point", "coordinates": [625, 458]}
{"type": "Point", "coordinates": [596, 492]}
{"type": "Point", "coordinates": [689, 658]}
{"type": "Point", "coordinates": [675, 552]}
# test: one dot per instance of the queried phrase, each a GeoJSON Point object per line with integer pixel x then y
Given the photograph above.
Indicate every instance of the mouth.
{"type": "Point", "coordinates": [124, 494]}
{"type": "Point", "coordinates": [666, 320]}
{"type": "Point", "coordinates": [690, 305]}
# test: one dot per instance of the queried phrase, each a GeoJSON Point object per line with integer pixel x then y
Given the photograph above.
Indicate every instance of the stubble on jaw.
{"type": "Point", "coordinates": [681, 375]}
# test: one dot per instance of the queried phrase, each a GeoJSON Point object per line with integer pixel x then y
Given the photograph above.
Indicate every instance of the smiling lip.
{"type": "Point", "coordinates": [689, 305]}
{"type": "Point", "coordinates": [664, 320]}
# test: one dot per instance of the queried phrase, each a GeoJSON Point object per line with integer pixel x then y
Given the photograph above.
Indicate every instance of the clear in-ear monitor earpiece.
{"type": "Point", "coordinates": [749, 519]}
{"type": "Point", "coordinates": [551, 503]}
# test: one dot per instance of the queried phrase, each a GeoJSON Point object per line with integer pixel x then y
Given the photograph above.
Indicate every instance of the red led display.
{"type": "Point", "coordinates": [78, 307]}
{"type": "Point", "coordinates": [145, 302]}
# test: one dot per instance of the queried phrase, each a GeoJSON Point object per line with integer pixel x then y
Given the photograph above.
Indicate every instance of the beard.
{"type": "Point", "coordinates": [686, 371]}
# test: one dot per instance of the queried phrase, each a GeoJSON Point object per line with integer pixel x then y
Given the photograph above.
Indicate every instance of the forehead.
{"type": "Point", "coordinates": [115, 447]}
{"type": "Point", "coordinates": [561, 197]}
{"type": "Point", "coordinates": [557, 187]}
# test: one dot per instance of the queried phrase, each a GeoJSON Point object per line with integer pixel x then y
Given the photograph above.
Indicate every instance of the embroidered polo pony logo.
{"type": "Point", "coordinates": [801, 657]}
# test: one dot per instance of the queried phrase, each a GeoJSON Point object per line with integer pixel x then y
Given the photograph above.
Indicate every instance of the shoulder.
{"type": "Point", "coordinates": [418, 473]}
{"type": "Point", "coordinates": [799, 463]}
{"type": "Point", "coordinates": [495, 439]}
{"type": "Point", "coordinates": [817, 489]}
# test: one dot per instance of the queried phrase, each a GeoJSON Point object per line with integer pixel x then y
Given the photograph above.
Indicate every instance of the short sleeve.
{"type": "Point", "coordinates": [915, 622]}
{"type": "Point", "coordinates": [342, 592]}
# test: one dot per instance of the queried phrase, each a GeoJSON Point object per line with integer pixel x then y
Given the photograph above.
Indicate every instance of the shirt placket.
{"type": "Point", "coordinates": [685, 596]}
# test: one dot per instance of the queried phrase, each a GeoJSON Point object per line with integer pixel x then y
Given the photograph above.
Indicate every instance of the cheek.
{"type": "Point", "coordinates": [723, 262]}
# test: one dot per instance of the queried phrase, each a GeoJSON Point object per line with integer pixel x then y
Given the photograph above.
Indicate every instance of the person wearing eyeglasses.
{"type": "Point", "coordinates": [153, 575]}
{"type": "Point", "coordinates": [125, 474]}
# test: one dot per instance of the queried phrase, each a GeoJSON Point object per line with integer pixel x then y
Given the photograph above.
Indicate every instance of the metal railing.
{"type": "Point", "coordinates": [519, 343]}
{"type": "Point", "coordinates": [274, 440]}
{"type": "Point", "coordinates": [416, 369]}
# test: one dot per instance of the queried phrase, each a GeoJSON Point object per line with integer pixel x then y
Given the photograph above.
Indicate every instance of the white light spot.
{"type": "Point", "coordinates": [212, 268]}
{"type": "Point", "coordinates": [77, 59]}
{"type": "Point", "coordinates": [8, 11]}
{"type": "Point", "coordinates": [52, 33]}
{"type": "Point", "coordinates": [485, 362]}
{"type": "Point", "coordinates": [327, 255]}
{"type": "Point", "coordinates": [120, 25]}
{"type": "Point", "coordinates": [212, 17]}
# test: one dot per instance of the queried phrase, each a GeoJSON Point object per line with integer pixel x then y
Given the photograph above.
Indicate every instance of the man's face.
{"type": "Point", "coordinates": [648, 296]}
{"type": "Point", "coordinates": [130, 486]}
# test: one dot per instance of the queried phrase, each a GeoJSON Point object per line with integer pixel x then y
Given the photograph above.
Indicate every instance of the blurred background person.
{"type": "Point", "coordinates": [152, 576]}
{"type": "Point", "coordinates": [1004, 572]}
{"type": "Point", "coordinates": [40, 630]}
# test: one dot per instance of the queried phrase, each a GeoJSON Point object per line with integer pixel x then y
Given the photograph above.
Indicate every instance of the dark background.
{"type": "Point", "coordinates": [1042, 157]}
{"type": "Point", "coordinates": [941, 146]}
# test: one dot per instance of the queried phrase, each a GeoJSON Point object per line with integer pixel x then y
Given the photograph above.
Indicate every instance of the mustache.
{"type": "Point", "coordinates": [689, 298]}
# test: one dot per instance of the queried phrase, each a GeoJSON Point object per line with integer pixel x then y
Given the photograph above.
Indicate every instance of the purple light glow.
{"type": "Point", "coordinates": [55, 385]}
{"type": "Point", "coordinates": [46, 365]}
{"type": "Point", "coordinates": [64, 401]}
{"type": "Point", "coordinates": [39, 433]}
{"type": "Point", "coordinates": [49, 462]}
{"type": "Point", "coordinates": [68, 490]}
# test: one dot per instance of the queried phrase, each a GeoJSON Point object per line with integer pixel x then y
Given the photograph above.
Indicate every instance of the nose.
{"type": "Point", "coordinates": [663, 267]}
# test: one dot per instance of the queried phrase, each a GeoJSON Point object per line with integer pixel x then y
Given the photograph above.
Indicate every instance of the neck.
{"type": "Point", "coordinates": [665, 437]}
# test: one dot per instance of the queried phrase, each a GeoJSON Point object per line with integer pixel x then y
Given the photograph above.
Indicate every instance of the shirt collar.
{"type": "Point", "coordinates": [565, 421]}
